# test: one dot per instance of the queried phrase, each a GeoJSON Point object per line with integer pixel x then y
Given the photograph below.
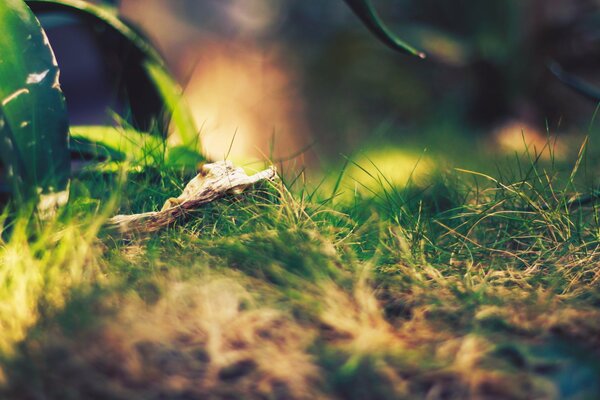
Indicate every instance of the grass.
{"type": "Point", "coordinates": [465, 285]}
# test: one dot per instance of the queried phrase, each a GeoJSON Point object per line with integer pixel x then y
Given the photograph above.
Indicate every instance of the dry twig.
{"type": "Point", "coordinates": [213, 182]}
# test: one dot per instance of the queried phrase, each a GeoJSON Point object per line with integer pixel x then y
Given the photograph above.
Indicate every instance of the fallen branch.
{"type": "Point", "coordinates": [213, 182]}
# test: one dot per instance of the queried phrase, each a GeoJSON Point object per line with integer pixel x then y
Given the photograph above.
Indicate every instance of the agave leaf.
{"type": "Point", "coordinates": [366, 12]}
{"type": "Point", "coordinates": [153, 95]}
{"type": "Point", "coordinates": [33, 115]}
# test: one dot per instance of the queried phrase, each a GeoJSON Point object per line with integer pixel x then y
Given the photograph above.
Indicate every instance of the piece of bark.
{"type": "Point", "coordinates": [213, 182]}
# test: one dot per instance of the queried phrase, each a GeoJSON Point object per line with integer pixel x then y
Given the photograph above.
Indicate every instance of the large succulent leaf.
{"type": "Point", "coordinates": [33, 115]}
{"type": "Point", "coordinates": [366, 12]}
{"type": "Point", "coordinates": [152, 93]}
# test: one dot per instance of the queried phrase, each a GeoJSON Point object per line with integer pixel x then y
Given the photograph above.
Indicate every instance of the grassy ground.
{"type": "Point", "coordinates": [461, 285]}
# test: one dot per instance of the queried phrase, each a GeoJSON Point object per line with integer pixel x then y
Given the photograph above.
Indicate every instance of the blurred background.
{"type": "Point", "coordinates": [305, 81]}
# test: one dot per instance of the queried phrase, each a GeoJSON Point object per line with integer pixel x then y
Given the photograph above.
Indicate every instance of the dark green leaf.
{"type": "Point", "coordinates": [366, 12]}
{"type": "Point", "coordinates": [33, 116]}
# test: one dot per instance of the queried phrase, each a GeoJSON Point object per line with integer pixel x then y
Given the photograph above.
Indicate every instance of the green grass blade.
{"type": "Point", "coordinates": [33, 114]}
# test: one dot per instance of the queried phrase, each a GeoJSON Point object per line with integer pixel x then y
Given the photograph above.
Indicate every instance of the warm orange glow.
{"type": "Point", "coordinates": [234, 85]}
{"type": "Point", "coordinates": [240, 90]}
{"type": "Point", "coordinates": [519, 136]}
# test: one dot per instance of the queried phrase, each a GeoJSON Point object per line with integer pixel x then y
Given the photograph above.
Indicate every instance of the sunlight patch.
{"type": "Point", "coordinates": [376, 171]}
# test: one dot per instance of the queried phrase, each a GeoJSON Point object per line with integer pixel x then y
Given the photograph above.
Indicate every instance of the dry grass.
{"type": "Point", "coordinates": [203, 339]}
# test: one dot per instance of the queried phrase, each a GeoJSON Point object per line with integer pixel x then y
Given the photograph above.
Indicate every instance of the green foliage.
{"type": "Point", "coordinates": [33, 116]}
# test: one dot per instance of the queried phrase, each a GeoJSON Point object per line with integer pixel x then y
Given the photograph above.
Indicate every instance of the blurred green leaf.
{"type": "Point", "coordinates": [182, 156]}
{"type": "Point", "coordinates": [577, 84]}
{"type": "Point", "coordinates": [126, 144]}
{"type": "Point", "coordinates": [368, 15]}
{"type": "Point", "coordinates": [33, 115]}
{"type": "Point", "coordinates": [181, 115]}
{"type": "Point", "coordinates": [118, 144]}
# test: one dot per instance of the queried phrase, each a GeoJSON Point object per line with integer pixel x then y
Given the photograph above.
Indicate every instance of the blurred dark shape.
{"type": "Point", "coordinates": [488, 64]}
{"type": "Point", "coordinates": [85, 77]}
